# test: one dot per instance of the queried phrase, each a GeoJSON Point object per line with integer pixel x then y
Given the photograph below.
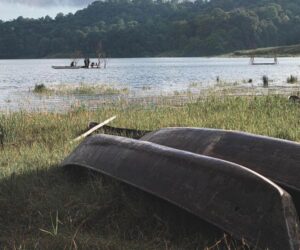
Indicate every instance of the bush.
{"type": "Point", "coordinates": [292, 79]}
{"type": "Point", "coordinates": [40, 88]}
{"type": "Point", "coordinates": [265, 81]}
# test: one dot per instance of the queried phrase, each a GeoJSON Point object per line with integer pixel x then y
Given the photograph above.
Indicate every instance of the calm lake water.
{"type": "Point", "coordinates": [143, 77]}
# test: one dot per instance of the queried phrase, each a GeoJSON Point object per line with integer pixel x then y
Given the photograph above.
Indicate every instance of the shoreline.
{"type": "Point", "coordinates": [259, 53]}
{"type": "Point", "coordinates": [67, 99]}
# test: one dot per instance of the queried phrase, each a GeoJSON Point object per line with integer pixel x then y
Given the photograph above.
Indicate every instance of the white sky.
{"type": "Point", "coordinates": [9, 10]}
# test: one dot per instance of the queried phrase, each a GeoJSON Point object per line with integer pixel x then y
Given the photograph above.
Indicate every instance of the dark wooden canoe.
{"type": "Point", "coordinates": [278, 160]}
{"type": "Point", "coordinates": [66, 67]}
{"type": "Point", "coordinates": [232, 197]}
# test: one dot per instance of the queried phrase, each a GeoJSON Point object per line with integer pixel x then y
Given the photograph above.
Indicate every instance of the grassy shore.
{"type": "Point", "coordinates": [43, 207]}
{"type": "Point", "coordinates": [283, 51]}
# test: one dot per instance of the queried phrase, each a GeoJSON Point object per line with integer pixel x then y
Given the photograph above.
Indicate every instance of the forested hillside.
{"type": "Point", "coordinates": [137, 28]}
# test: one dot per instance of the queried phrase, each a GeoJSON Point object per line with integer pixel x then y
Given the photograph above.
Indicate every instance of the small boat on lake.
{"type": "Point", "coordinates": [74, 67]}
{"type": "Point", "coordinates": [87, 64]}
{"type": "Point", "coordinates": [230, 196]}
{"type": "Point", "coordinates": [66, 67]}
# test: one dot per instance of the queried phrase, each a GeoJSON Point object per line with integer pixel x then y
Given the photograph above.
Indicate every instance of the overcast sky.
{"type": "Point", "coordinates": [10, 9]}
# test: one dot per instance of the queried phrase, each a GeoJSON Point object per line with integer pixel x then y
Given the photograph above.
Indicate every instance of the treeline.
{"type": "Point", "coordinates": [139, 28]}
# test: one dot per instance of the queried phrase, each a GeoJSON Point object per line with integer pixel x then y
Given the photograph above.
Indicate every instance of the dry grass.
{"type": "Point", "coordinates": [42, 207]}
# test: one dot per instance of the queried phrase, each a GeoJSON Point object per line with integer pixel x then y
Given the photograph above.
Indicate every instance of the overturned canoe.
{"type": "Point", "coordinates": [232, 197]}
{"type": "Point", "coordinates": [278, 160]}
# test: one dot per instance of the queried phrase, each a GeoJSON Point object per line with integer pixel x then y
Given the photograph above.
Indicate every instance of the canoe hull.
{"type": "Point", "coordinates": [65, 67]}
{"type": "Point", "coordinates": [225, 194]}
{"type": "Point", "coordinates": [278, 160]}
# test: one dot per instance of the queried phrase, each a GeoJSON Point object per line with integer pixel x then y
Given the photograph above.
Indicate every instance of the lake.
{"type": "Point", "coordinates": [141, 76]}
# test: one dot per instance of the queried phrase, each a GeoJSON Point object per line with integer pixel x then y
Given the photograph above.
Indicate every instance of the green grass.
{"type": "Point", "coordinates": [44, 207]}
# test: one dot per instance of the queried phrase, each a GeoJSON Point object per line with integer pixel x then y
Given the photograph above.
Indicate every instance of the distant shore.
{"type": "Point", "coordinates": [279, 51]}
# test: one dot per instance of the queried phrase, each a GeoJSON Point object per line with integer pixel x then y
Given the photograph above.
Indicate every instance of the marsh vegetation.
{"type": "Point", "coordinates": [78, 89]}
{"type": "Point", "coordinates": [292, 79]}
